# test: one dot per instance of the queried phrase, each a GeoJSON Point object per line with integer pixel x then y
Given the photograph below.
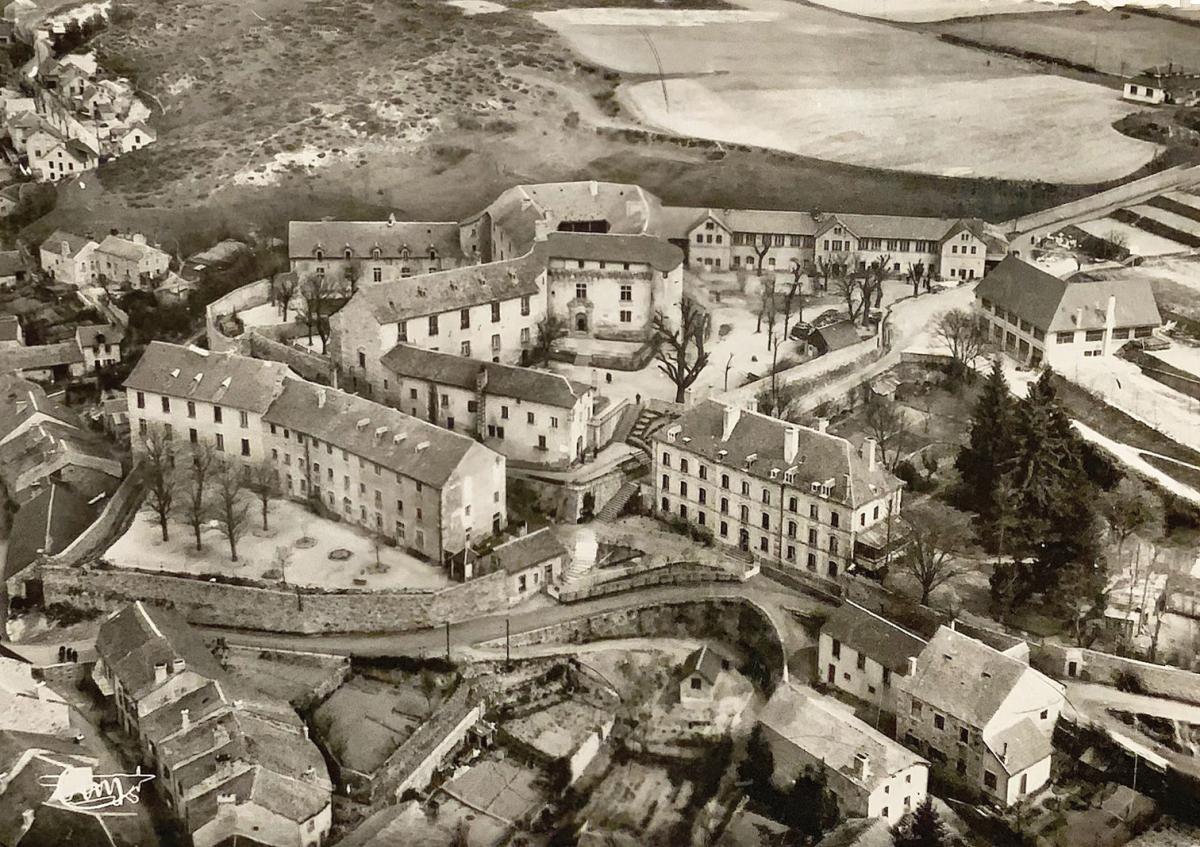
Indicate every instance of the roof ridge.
{"type": "Point", "coordinates": [890, 623]}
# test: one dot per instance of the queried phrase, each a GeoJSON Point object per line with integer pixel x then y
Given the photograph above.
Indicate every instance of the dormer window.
{"type": "Point", "coordinates": [348, 254]}
{"type": "Point", "coordinates": [432, 254]}
{"type": "Point", "coordinates": [319, 254]}
{"type": "Point", "coordinates": [376, 253]}
{"type": "Point", "coordinates": [404, 252]}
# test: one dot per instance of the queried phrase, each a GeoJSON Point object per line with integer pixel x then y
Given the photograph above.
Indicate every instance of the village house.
{"type": "Point", "coordinates": [532, 561]}
{"type": "Point", "coordinates": [22, 126]}
{"type": "Point", "coordinates": [130, 262]}
{"type": "Point", "coordinates": [1164, 86]}
{"type": "Point", "coordinates": [706, 676]}
{"type": "Point", "coordinates": [100, 345]}
{"type": "Point", "coordinates": [526, 415]}
{"type": "Point", "coordinates": [69, 258]}
{"type": "Point", "coordinates": [28, 704]}
{"type": "Point", "coordinates": [779, 492]}
{"type": "Point", "coordinates": [44, 526]}
{"type": "Point", "coordinates": [232, 763]}
{"type": "Point", "coordinates": [870, 774]}
{"type": "Point", "coordinates": [983, 715]}
{"type": "Point", "coordinates": [1036, 317]}
{"type": "Point", "coordinates": [44, 362]}
{"type": "Point", "coordinates": [53, 157]}
{"type": "Point", "coordinates": [12, 268]}
{"type": "Point", "coordinates": [865, 655]}
{"type": "Point", "coordinates": [832, 337]}
{"type": "Point", "coordinates": [370, 252]}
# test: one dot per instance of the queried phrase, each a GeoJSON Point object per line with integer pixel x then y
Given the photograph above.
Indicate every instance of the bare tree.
{"type": "Point", "coordinates": [877, 272]}
{"type": "Point", "coordinates": [762, 246]}
{"type": "Point", "coordinates": [936, 535]}
{"type": "Point", "coordinates": [918, 274]}
{"type": "Point", "coordinates": [194, 482]}
{"type": "Point", "coordinates": [1128, 508]}
{"type": "Point", "coordinates": [549, 330]}
{"type": "Point", "coordinates": [886, 423]}
{"type": "Point", "coordinates": [825, 269]}
{"type": "Point", "coordinates": [284, 287]}
{"type": "Point", "coordinates": [793, 300]}
{"type": "Point", "coordinates": [680, 351]}
{"type": "Point", "coordinates": [230, 505]}
{"type": "Point", "coordinates": [767, 307]}
{"type": "Point", "coordinates": [263, 481]}
{"type": "Point", "coordinates": [158, 462]}
{"type": "Point", "coordinates": [316, 291]}
{"type": "Point", "coordinates": [281, 560]}
{"type": "Point", "coordinates": [428, 682]}
{"type": "Point", "coordinates": [964, 337]}
{"type": "Point", "coordinates": [850, 288]}
{"type": "Point", "coordinates": [353, 273]}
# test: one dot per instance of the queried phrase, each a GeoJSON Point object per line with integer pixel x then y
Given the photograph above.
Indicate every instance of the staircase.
{"type": "Point", "coordinates": [583, 558]}
{"type": "Point", "coordinates": [638, 435]}
{"type": "Point", "coordinates": [616, 504]}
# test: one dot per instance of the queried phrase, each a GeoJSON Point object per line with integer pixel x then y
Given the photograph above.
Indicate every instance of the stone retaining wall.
{"type": "Point", "coordinates": [1092, 666]}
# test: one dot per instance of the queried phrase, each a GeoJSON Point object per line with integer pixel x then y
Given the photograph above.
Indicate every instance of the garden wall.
{"type": "Point", "coordinates": [412, 765]}
{"type": "Point", "coordinates": [240, 299]}
{"type": "Point", "coordinates": [111, 524]}
{"type": "Point", "coordinates": [273, 609]}
{"type": "Point", "coordinates": [311, 366]}
{"type": "Point", "coordinates": [1092, 666]}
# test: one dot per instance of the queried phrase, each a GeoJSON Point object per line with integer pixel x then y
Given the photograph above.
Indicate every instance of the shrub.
{"type": "Point", "coordinates": [1129, 682]}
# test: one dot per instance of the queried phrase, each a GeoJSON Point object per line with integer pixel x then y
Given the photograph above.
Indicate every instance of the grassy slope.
{"type": "Point", "coordinates": [423, 111]}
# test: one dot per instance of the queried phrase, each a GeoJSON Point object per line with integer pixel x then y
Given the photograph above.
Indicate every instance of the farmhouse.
{"type": "Point", "coordinates": [984, 714]}
{"type": "Point", "coordinates": [130, 261]}
{"type": "Point", "coordinates": [870, 774]}
{"type": "Point", "coordinates": [1036, 317]}
{"type": "Point", "coordinates": [45, 526]}
{"type": "Point", "coordinates": [69, 258]}
{"type": "Point", "coordinates": [233, 763]}
{"type": "Point", "coordinates": [524, 414]}
{"type": "Point", "coordinates": [369, 252]}
{"type": "Point", "coordinates": [44, 362]}
{"type": "Point", "coordinates": [774, 490]}
{"type": "Point", "coordinates": [1159, 86]}
{"type": "Point", "coordinates": [100, 345]}
{"type": "Point", "coordinates": [865, 655]}
{"type": "Point", "coordinates": [707, 676]}
{"type": "Point", "coordinates": [532, 562]}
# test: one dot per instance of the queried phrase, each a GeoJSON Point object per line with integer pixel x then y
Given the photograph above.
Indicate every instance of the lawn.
{"type": "Point", "coordinates": [365, 720]}
{"type": "Point", "coordinates": [142, 548]}
{"type": "Point", "coordinates": [1114, 42]}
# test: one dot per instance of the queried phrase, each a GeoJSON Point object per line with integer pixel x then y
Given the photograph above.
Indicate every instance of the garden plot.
{"type": "Point", "coordinates": [1187, 198]}
{"type": "Point", "coordinates": [1171, 219]}
{"type": "Point", "coordinates": [1137, 241]}
{"type": "Point", "coordinates": [365, 720]}
{"type": "Point", "coordinates": [293, 681]}
{"type": "Point", "coordinates": [557, 731]}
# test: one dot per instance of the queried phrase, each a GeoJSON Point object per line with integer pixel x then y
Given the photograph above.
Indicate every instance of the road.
{"type": "Point", "coordinates": [1092, 703]}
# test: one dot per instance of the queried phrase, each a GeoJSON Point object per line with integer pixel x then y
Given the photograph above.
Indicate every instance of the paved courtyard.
{"type": "Point", "coordinates": [142, 548]}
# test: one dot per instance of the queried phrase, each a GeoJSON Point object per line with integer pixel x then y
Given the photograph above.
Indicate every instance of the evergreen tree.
{"type": "Point", "coordinates": [923, 828]}
{"type": "Point", "coordinates": [811, 808]}
{"type": "Point", "coordinates": [979, 462]}
{"type": "Point", "coordinates": [759, 765]}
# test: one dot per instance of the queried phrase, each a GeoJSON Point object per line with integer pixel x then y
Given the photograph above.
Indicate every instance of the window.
{"type": "Point", "coordinates": [725, 481]}
{"type": "Point", "coordinates": [465, 348]}
{"type": "Point", "coordinates": [724, 529]}
{"type": "Point", "coordinates": [744, 513]}
{"type": "Point", "coordinates": [724, 505]}
{"type": "Point", "coordinates": [834, 519]}
{"type": "Point", "coordinates": [1095, 335]}
{"type": "Point", "coordinates": [245, 446]}
{"type": "Point", "coordinates": [861, 662]}
{"type": "Point", "coordinates": [1045, 714]}
{"type": "Point", "coordinates": [666, 460]}
{"type": "Point", "coordinates": [553, 422]}
{"type": "Point", "coordinates": [191, 409]}
{"type": "Point", "coordinates": [496, 312]}
{"type": "Point", "coordinates": [683, 489]}
{"type": "Point", "coordinates": [964, 735]}
{"type": "Point", "coordinates": [627, 293]}
{"type": "Point", "coordinates": [1064, 337]}
{"type": "Point", "coordinates": [529, 417]}
{"type": "Point", "coordinates": [837, 649]}
{"type": "Point", "coordinates": [524, 305]}
{"type": "Point", "coordinates": [702, 495]}
{"type": "Point", "coordinates": [764, 545]}
{"type": "Point", "coordinates": [745, 488]}
{"type": "Point", "coordinates": [766, 521]}
{"type": "Point", "coordinates": [812, 511]}
{"type": "Point", "coordinates": [166, 405]}
{"type": "Point", "coordinates": [915, 711]}
{"type": "Point", "coordinates": [989, 780]}
{"type": "Point", "coordinates": [812, 561]}
{"type": "Point", "coordinates": [141, 400]}
{"type": "Point", "coordinates": [433, 325]}
{"type": "Point", "coordinates": [833, 545]}
{"type": "Point", "coordinates": [812, 538]}
{"type": "Point", "coordinates": [524, 335]}
{"type": "Point", "coordinates": [703, 471]}
{"type": "Point", "coordinates": [377, 274]}
{"type": "Point", "coordinates": [445, 401]}
{"type": "Point", "coordinates": [626, 316]}
{"type": "Point", "coordinates": [791, 529]}
{"type": "Point", "coordinates": [402, 331]}
{"type": "Point", "coordinates": [939, 721]}
{"type": "Point", "coordinates": [766, 496]}
{"type": "Point", "coordinates": [496, 343]}
{"type": "Point", "coordinates": [220, 442]}
{"type": "Point", "coordinates": [193, 436]}
{"type": "Point", "coordinates": [887, 677]}
{"type": "Point", "coordinates": [695, 683]}
{"type": "Point", "coordinates": [464, 319]}
{"type": "Point", "coordinates": [580, 291]}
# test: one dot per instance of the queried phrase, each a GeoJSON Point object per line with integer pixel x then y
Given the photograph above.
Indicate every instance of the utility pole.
{"type": "Point", "coordinates": [447, 641]}
{"type": "Point", "coordinates": [507, 644]}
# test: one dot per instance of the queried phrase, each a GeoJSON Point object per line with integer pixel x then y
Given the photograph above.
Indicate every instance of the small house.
{"type": "Point", "coordinates": [532, 562]}
{"type": "Point", "coordinates": [828, 339]}
{"type": "Point", "coordinates": [707, 677]}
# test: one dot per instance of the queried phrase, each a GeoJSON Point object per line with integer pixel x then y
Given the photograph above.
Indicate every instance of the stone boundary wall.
{"type": "Point", "coordinates": [272, 609]}
{"type": "Point", "coordinates": [247, 297]}
{"type": "Point", "coordinates": [808, 374]}
{"type": "Point", "coordinates": [310, 366]}
{"type": "Point", "coordinates": [413, 763]}
{"type": "Point", "coordinates": [673, 573]}
{"type": "Point", "coordinates": [113, 521]}
{"type": "Point", "coordinates": [1093, 666]}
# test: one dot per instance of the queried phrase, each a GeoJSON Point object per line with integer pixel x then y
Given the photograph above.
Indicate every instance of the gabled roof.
{"type": "Point", "coordinates": [523, 553]}
{"type": "Point", "coordinates": [526, 384]}
{"type": "Point", "coordinates": [125, 249]}
{"type": "Point", "coordinates": [449, 290]}
{"type": "Point", "coordinates": [966, 678]}
{"type": "Point", "coordinates": [39, 357]}
{"type": "Point", "coordinates": [889, 226]}
{"type": "Point", "coordinates": [55, 240]}
{"type": "Point", "coordinates": [642, 249]}
{"type": "Point", "coordinates": [1019, 746]}
{"type": "Point", "coordinates": [135, 639]}
{"type": "Point", "coordinates": [390, 237]}
{"type": "Point", "coordinates": [871, 635]}
{"type": "Point", "coordinates": [1055, 305]}
{"type": "Point", "coordinates": [49, 522]}
{"type": "Point", "coordinates": [89, 336]}
{"type": "Point", "coordinates": [829, 732]}
{"type": "Point", "coordinates": [380, 434]}
{"type": "Point", "coordinates": [775, 222]}
{"type": "Point", "coordinates": [838, 335]}
{"type": "Point", "coordinates": [227, 379]}
{"type": "Point", "coordinates": [821, 457]}
{"type": "Point", "coordinates": [706, 662]}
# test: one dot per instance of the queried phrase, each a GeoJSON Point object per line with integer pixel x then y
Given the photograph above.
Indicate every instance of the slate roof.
{"type": "Point", "coordinates": [89, 336]}
{"type": "Point", "coordinates": [647, 249]}
{"type": "Point", "coordinates": [1019, 746]}
{"type": "Point", "coordinates": [1051, 304]}
{"type": "Point", "coordinates": [876, 637]}
{"type": "Point", "coordinates": [890, 226]}
{"type": "Point", "coordinates": [776, 222]}
{"type": "Point", "coordinates": [223, 378]}
{"type": "Point", "coordinates": [11, 262]}
{"type": "Point", "coordinates": [133, 640]}
{"type": "Point", "coordinates": [362, 237]}
{"type": "Point", "coordinates": [966, 678]}
{"type": "Point", "coordinates": [49, 522]}
{"type": "Point", "coordinates": [523, 553]}
{"type": "Point", "coordinates": [536, 386]}
{"type": "Point", "coordinates": [821, 457]}
{"type": "Point", "coordinates": [39, 357]}
{"type": "Point", "coordinates": [353, 424]}
{"type": "Point", "coordinates": [837, 336]}
{"type": "Point", "coordinates": [123, 248]}
{"type": "Point", "coordinates": [706, 662]}
{"type": "Point", "coordinates": [10, 326]}
{"type": "Point", "coordinates": [54, 242]}
{"type": "Point", "coordinates": [830, 733]}
{"type": "Point", "coordinates": [444, 291]}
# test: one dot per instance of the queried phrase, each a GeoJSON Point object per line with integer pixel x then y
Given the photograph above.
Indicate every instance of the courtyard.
{"type": "Point", "coordinates": [314, 547]}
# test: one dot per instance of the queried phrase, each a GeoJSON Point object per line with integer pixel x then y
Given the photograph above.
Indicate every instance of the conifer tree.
{"type": "Point", "coordinates": [924, 828]}
{"type": "Point", "coordinates": [980, 462]}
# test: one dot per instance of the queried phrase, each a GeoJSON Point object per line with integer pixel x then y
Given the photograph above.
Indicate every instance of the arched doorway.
{"type": "Point", "coordinates": [581, 322]}
{"type": "Point", "coordinates": [743, 541]}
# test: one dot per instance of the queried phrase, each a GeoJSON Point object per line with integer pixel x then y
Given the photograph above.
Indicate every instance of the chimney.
{"type": "Point", "coordinates": [732, 413]}
{"type": "Point", "coordinates": [138, 238]}
{"type": "Point", "coordinates": [362, 423]}
{"type": "Point", "coordinates": [1079, 317]}
{"type": "Point", "coordinates": [1110, 321]}
{"type": "Point", "coordinates": [310, 772]}
{"type": "Point", "coordinates": [160, 673]}
{"type": "Point", "coordinates": [541, 229]}
{"type": "Point", "coordinates": [304, 729]}
{"type": "Point", "coordinates": [595, 380]}
{"type": "Point", "coordinates": [868, 452]}
{"type": "Point", "coordinates": [791, 444]}
{"type": "Point", "coordinates": [862, 766]}
{"type": "Point", "coordinates": [1004, 753]}
{"type": "Point", "coordinates": [43, 693]}
{"type": "Point", "coordinates": [391, 219]}
{"type": "Point", "coordinates": [185, 719]}
{"type": "Point", "coordinates": [66, 248]}
{"type": "Point", "coordinates": [220, 735]}
{"type": "Point", "coordinates": [953, 625]}
{"type": "Point", "coordinates": [178, 665]}
{"type": "Point", "coordinates": [822, 425]}
{"type": "Point", "coordinates": [593, 188]}
{"type": "Point", "coordinates": [320, 398]}
{"type": "Point", "coordinates": [27, 816]}
{"type": "Point", "coordinates": [912, 666]}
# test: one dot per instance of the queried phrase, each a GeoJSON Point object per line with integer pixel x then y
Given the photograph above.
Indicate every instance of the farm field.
{"type": "Point", "coordinates": [918, 11]}
{"type": "Point", "coordinates": [1138, 241]}
{"type": "Point", "coordinates": [1114, 42]}
{"type": "Point", "coordinates": [859, 92]}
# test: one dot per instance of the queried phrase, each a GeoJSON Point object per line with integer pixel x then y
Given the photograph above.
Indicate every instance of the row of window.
{"type": "Point", "coordinates": [581, 292]}
{"type": "Point", "coordinates": [376, 253]}
{"type": "Point", "coordinates": [860, 663]}
{"type": "Point", "coordinates": [218, 413]}
{"type": "Point", "coordinates": [193, 437]}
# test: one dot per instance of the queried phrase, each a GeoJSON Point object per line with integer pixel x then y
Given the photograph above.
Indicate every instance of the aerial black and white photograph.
{"type": "Point", "coordinates": [600, 423]}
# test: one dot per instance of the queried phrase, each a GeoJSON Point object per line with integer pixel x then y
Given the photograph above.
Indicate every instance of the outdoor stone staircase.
{"type": "Point", "coordinates": [616, 504]}
{"type": "Point", "coordinates": [642, 428]}
{"type": "Point", "coordinates": [583, 558]}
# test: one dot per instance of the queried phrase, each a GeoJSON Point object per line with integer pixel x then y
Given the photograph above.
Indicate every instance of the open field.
{"type": "Point", "coordinates": [1113, 42]}
{"type": "Point", "coordinates": [917, 11]}
{"type": "Point", "coordinates": [913, 106]}
{"type": "Point", "coordinates": [1137, 241]}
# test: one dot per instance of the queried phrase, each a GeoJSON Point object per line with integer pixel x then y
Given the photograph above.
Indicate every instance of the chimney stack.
{"type": "Point", "coordinates": [178, 665]}
{"type": "Point", "coordinates": [732, 413]}
{"type": "Point", "coordinates": [1078, 318]}
{"type": "Point", "coordinates": [912, 666]}
{"type": "Point", "coordinates": [185, 719]}
{"type": "Point", "coordinates": [868, 451]}
{"type": "Point", "coordinates": [160, 673]}
{"type": "Point", "coordinates": [822, 425]}
{"type": "Point", "coordinates": [1110, 322]}
{"type": "Point", "coordinates": [594, 188]}
{"type": "Point", "coordinates": [320, 398]}
{"type": "Point", "coordinates": [862, 766]}
{"type": "Point", "coordinates": [791, 444]}
{"type": "Point", "coordinates": [1004, 753]}
{"type": "Point", "coordinates": [391, 219]}
{"type": "Point", "coordinates": [66, 248]}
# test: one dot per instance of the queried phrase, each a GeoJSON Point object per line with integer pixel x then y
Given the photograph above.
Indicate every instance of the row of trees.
{"type": "Point", "coordinates": [319, 297]}
{"type": "Point", "coordinates": [197, 484]}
